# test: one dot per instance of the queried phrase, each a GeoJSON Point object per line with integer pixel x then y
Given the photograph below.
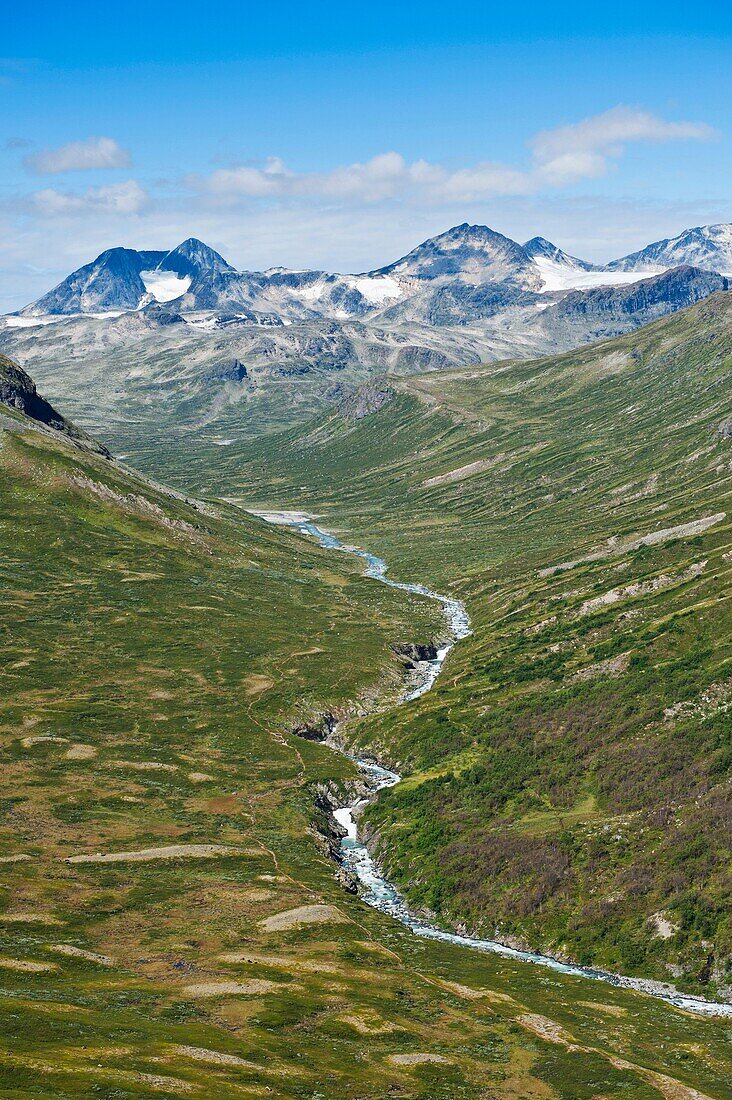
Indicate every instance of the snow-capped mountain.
{"type": "Point", "coordinates": [471, 253]}
{"type": "Point", "coordinates": [182, 339]}
{"type": "Point", "coordinates": [191, 267]}
{"type": "Point", "coordinates": [111, 282]}
{"type": "Point", "coordinates": [468, 275]}
{"type": "Point", "coordinates": [122, 279]}
{"type": "Point", "coordinates": [708, 247]}
{"type": "Point", "coordinates": [540, 248]}
{"type": "Point", "coordinates": [284, 343]}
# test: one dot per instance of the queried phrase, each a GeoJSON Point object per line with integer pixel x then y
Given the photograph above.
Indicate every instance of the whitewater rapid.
{"type": "Point", "coordinates": [376, 890]}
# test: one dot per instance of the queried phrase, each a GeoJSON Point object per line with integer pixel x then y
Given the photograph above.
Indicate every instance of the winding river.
{"type": "Point", "coordinates": [376, 890]}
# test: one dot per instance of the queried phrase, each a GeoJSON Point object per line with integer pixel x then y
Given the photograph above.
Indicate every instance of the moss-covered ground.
{"type": "Point", "coordinates": [156, 656]}
{"type": "Point", "coordinates": [569, 776]}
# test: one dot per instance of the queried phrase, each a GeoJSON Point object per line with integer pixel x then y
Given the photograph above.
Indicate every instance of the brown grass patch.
{"type": "Point", "coordinates": [256, 684]}
{"type": "Point", "coordinates": [26, 966]}
{"type": "Point", "coordinates": [172, 851]}
{"type": "Point", "coordinates": [230, 989]}
{"type": "Point", "coordinates": [304, 914]}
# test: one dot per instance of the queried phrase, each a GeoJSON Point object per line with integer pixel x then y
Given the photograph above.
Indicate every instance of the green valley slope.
{"type": "Point", "coordinates": [569, 777]}
{"type": "Point", "coordinates": [171, 923]}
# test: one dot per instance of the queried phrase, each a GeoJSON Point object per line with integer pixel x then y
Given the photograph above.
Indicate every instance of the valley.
{"type": "Point", "coordinates": [365, 552]}
{"type": "Point", "coordinates": [176, 921]}
{"type": "Point", "coordinates": [579, 739]}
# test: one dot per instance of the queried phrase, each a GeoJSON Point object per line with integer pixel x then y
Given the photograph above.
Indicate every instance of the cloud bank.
{"type": "Point", "coordinates": [117, 198]}
{"type": "Point", "coordinates": [568, 155]}
{"type": "Point", "coordinates": [558, 158]}
{"type": "Point", "coordinates": [79, 156]}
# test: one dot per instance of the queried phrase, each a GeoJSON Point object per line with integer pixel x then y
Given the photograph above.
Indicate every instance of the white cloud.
{"type": "Point", "coordinates": [386, 176]}
{"type": "Point", "coordinates": [483, 181]}
{"type": "Point", "coordinates": [571, 167]}
{"type": "Point", "coordinates": [584, 150]}
{"type": "Point", "coordinates": [383, 177]}
{"type": "Point", "coordinates": [569, 154]}
{"type": "Point", "coordinates": [117, 198]}
{"type": "Point", "coordinates": [249, 182]}
{"type": "Point", "coordinates": [356, 216]}
{"type": "Point", "coordinates": [79, 156]}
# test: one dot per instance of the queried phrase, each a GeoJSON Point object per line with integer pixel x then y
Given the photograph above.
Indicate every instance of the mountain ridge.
{"type": "Point", "coordinates": [464, 254]}
{"type": "Point", "coordinates": [18, 391]}
{"type": "Point", "coordinates": [706, 246]}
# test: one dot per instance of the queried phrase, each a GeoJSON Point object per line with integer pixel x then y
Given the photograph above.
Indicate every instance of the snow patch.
{"type": "Point", "coordinates": [312, 293]}
{"type": "Point", "coordinates": [56, 318]}
{"type": "Point", "coordinates": [377, 289]}
{"type": "Point", "coordinates": [31, 322]}
{"type": "Point", "coordinates": [165, 286]}
{"type": "Point", "coordinates": [556, 276]}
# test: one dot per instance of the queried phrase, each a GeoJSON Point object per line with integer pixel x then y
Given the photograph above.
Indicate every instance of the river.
{"type": "Point", "coordinates": [376, 890]}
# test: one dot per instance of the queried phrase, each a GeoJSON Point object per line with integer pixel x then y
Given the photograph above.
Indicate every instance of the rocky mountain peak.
{"type": "Point", "coordinates": [705, 246]}
{"type": "Point", "coordinates": [192, 258]}
{"type": "Point", "coordinates": [474, 253]}
{"type": "Point", "coordinates": [541, 248]}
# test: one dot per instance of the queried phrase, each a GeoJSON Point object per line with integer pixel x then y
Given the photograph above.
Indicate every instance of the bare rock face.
{"type": "Point", "coordinates": [413, 653]}
{"type": "Point", "coordinates": [365, 400]}
{"type": "Point", "coordinates": [647, 299]}
{"type": "Point", "coordinates": [110, 282]}
{"type": "Point", "coordinates": [708, 247]}
{"type": "Point", "coordinates": [18, 391]}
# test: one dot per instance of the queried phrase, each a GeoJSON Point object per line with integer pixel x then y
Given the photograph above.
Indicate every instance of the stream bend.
{"type": "Point", "coordinates": [376, 890]}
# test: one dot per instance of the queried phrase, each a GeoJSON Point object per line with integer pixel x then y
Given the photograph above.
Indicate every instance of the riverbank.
{"type": "Point", "coordinates": [377, 890]}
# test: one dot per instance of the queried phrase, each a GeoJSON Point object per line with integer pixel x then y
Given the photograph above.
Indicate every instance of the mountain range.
{"type": "Point", "coordinates": [143, 339]}
{"type": "Point", "coordinates": [468, 272]}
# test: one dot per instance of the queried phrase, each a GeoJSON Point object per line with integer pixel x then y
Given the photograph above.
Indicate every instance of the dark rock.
{"type": "Point", "coordinates": [318, 730]}
{"type": "Point", "coordinates": [414, 652]}
{"type": "Point", "coordinates": [18, 391]}
{"type": "Point", "coordinates": [162, 315]}
{"type": "Point", "coordinates": [705, 974]}
{"type": "Point", "coordinates": [228, 372]}
{"type": "Point", "coordinates": [365, 400]}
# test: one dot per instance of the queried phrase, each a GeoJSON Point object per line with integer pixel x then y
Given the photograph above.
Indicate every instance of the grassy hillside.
{"type": "Point", "coordinates": [569, 778]}
{"type": "Point", "coordinates": [171, 924]}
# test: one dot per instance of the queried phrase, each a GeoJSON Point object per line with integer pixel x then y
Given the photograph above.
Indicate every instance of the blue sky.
{"type": "Point", "coordinates": [337, 136]}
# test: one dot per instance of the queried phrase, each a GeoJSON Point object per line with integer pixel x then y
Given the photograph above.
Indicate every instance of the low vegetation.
{"type": "Point", "coordinates": [569, 777]}
{"type": "Point", "coordinates": [170, 919]}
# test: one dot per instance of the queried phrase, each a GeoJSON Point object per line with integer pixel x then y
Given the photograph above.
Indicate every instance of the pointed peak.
{"type": "Point", "coordinates": [193, 246]}
{"type": "Point", "coordinates": [192, 257]}
{"type": "Point", "coordinates": [540, 247]}
{"type": "Point", "coordinates": [540, 244]}
{"type": "Point", "coordinates": [474, 251]}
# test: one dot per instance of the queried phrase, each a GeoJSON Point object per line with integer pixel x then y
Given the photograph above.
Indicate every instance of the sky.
{"type": "Point", "coordinates": [339, 136]}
